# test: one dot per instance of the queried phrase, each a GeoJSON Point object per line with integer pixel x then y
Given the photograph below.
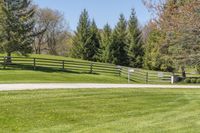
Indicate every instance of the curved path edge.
{"type": "Point", "coordinates": [39, 86]}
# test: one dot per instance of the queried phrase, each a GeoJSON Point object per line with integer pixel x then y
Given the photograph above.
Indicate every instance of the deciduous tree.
{"type": "Point", "coordinates": [53, 30]}
{"type": "Point", "coordinates": [179, 21]}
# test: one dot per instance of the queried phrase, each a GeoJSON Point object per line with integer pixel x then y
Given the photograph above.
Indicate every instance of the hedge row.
{"type": "Point", "coordinates": [192, 80]}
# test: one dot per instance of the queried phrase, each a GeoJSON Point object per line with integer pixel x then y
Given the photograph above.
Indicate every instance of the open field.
{"type": "Point", "coordinates": [105, 110]}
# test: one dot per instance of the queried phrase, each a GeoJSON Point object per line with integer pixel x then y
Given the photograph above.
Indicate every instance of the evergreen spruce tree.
{"type": "Point", "coordinates": [93, 47]}
{"type": "Point", "coordinates": [81, 39]}
{"type": "Point", "coordinates": [1, 14]}
{"type": "Point", "coordinates": [118, 48]}
{"type": "Point", "coordinates": [152, 57]}
{"type": "Point", "coordinates": [18, 26]}
{"type": "Point", "coordinates": [106, 40]}
{"type": "Point", "coordinates": [135, 50]}
{"type": "Point", "coordinates": [1, 20]}
{"type": "Point", "coordinates": [1, 28]}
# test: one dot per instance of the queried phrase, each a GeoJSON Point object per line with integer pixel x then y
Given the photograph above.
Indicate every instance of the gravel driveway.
{"type": "Point", "coordinates": [35, 86]}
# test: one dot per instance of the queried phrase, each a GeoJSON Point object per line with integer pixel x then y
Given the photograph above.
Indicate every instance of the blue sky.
{"type": "Point", "coordinates": [103, 11]}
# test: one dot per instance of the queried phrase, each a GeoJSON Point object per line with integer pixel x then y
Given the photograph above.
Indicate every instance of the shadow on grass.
{"type": "Point", "coordinates": [44, 69]}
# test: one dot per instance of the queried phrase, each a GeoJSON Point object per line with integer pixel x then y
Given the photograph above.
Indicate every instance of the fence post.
{"type": "Point", "coordinates": [91, 67]}
{"type": "Point", "coordinates": [34, 63]}
{"type": "Point", "coordinates": [119, 68]}
{"type": "Point", "coordinates": [119, 72]}
{"type": "Point", "coordinates": [63, 65]}
{"type": "Point", "coordinates": [130, 71]}
{"type": "Point", "coordinates": [128, 75]}
{"type": "Point", "coordinates": [147, 76]}
{"type": "Point", "coordinates": [4, 62]}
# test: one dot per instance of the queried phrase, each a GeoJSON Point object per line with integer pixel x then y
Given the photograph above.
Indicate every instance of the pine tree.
{"type": "Point", "coordinates": [152, 57]}
{"type": "Point", "coordinates": [135, 50]}
{"type": "Point", "coordinates": [1, 16]}
{"type": "Point", "coordinates": [93, 48]}
{"type": "Point", "coordinates": [18, 26]}
{"type": "Point", "coordinates": [118, 48]}
{"type": "Point", "coordinates": [81, 39]}
{"type": "Point", "coordinates": [1, 25]}
{"type": "Point", "coordinates": [106, 40]}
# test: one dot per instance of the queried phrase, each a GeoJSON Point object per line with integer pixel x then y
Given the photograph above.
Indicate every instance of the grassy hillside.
{"type": "Point", "coordinates": [53, 64]}
{"type": "Point", "coordinates": [100, 111]}
{"type": "Point", "coordinates": [28, 76]}
{"type": "Point", "coordinates": [48, 75]}
{"type": "Point", "coordinates": [46, 65]}
{"type": "Point", "coordinates": [45, 56]}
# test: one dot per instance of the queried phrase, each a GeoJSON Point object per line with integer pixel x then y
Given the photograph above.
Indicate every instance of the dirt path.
{"type": "Point", "coordinates": [6, 87]}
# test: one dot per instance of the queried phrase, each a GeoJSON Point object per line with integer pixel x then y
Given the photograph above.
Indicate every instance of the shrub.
{"type": "Point", "coordinates": [194, 80]}
{"type": "Point", "coordinates": [198, 81]}
{"type": "Point", "coordinates": [187, 80]}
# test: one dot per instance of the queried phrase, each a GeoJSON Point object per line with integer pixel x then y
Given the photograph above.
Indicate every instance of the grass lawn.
{"type": "Point", "coordinates": [46, 57]}
{"type": "Point", "coordinates": [26, 76]}
{"type": "Point", "coordinates": [100, 111]}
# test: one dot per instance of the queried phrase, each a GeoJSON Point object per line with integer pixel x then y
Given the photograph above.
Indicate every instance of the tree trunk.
{"type": "Point", "coordinates": [8, 58]}
{"type": "Point", "coordinates": [183, 72]}
{"type": "Point", "coordinates": [39, 44]}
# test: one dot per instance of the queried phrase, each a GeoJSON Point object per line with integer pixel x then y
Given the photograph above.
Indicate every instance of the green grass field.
{"type": "Point", "coordinates": [28, 76]}
{"type": "Point", "coordinates": [100, 111]}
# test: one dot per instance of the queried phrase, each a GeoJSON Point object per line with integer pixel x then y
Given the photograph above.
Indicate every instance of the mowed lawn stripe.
{"type": "Point", "coordinates": [105, 110]}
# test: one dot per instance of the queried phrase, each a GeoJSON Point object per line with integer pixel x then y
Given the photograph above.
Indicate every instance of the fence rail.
{"type": "Point", "coordinates": [144, 76]}
{"type": "Point", "coordinates": [138, 76]}
{"type": "Point", "coordinates": [62, 65]}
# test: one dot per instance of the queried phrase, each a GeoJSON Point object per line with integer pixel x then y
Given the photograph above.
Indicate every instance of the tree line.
{"type": "Point", "coordinates": [122, 45]}
{"type": "Point", "coordinates": [168, 42]}
{"type": "Point", "coordinates": [27, 28]}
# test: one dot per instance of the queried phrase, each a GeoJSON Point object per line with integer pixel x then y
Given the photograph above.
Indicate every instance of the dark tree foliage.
{"type": "Point", "coordinates": [81, 39]}
{"type": "Point", "coordinates": [1, 28]}
{"type": "Point", "coordinates": [135, 44]}
{"type": "Point", "coordinates": [119, 46]}
{"type": "Point", "coordinates": [86, 42]}
{"type": "Point", "coordinates": [93, 48]}
{"type": "Point", "coordinates": [18, 26]}
{"type": "Point", "coordinates": [106, 40]}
